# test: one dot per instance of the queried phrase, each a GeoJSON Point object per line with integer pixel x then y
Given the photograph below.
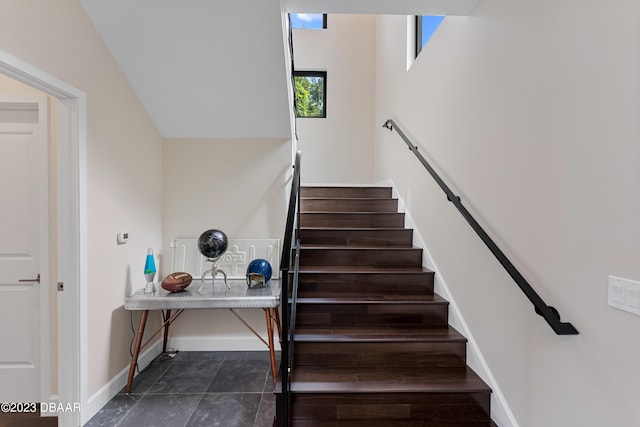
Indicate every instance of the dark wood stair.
{"type": "Point", "coordinates": [372, 343]}
{"type": "Point", "coordinates": [385, 237]}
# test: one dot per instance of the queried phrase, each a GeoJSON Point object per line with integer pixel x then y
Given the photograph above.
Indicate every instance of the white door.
{"type": "Point", "coordinates": [24, 208]}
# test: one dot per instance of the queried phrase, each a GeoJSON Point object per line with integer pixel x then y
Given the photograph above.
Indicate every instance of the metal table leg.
{"type": "Point", "coordinates": [272, 353]}
{"type": "Point", "coordinates": [136, 349]}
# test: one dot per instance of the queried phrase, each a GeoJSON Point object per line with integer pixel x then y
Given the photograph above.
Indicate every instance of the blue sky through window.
{"type": "Point", "coordinates": [429, 25]}
{"type": "Point", "coordinates": [307, 20]}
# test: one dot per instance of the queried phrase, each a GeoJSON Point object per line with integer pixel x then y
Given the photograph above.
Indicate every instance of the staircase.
{"type": "Point", "coordinates": [372, 344]}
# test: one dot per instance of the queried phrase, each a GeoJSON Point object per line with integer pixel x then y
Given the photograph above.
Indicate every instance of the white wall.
{"type": "Point", "coordinates": [201, 55]}
{"type": "Point", "coordinates": [238, 186]}
{"type": "Point", "coordinates": [531, 110]}
{"type": "Point", "coordinates": [124, 157]}
{"type": "Point", "coordinates": [338, 148]}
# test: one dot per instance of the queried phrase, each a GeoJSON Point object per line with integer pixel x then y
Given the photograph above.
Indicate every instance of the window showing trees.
{"type": "Point", "coordinates": [307, 21]}
{"type": "Point", "coordinates": [425, 27]}
{"type": "Point", "coordinates": [311, 93]}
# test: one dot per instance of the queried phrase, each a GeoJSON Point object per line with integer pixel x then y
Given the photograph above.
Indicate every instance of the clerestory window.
{"type": "Point", "coordinates": [308, 21]}
{"type": "Point", "coordinates": [425, 27]}
{"type": "Point", "coordinates": [311, 93]}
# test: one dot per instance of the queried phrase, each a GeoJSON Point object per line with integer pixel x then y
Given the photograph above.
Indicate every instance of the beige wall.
{"type": "Point", "coordinates": [338, 149]}
{"type": "Point", "coordinates": [531, 110]}
{"type": "Point", "coordinates": [238, 186]}
{"type": "Point", "coordinates": [9, 86]}
{"type": "Point", "coordinates": [124, 158]}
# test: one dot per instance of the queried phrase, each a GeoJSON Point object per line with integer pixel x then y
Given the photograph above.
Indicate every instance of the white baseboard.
{"type": "Point", "coordinates": [110, 389]}
{"type": "Point", "coordinates": [218, 343]}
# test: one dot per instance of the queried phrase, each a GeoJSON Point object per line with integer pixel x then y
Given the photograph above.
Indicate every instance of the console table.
{"type": "Point", "coordinates": [204, 295]}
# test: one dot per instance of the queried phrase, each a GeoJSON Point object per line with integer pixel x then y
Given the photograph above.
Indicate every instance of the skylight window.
{"type": "Point", "coordinates": [308, 21]}
{"type": "Point", "coordinates": [425, 27]}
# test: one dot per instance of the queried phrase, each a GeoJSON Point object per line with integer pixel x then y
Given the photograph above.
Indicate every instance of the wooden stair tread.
{"type": "Point", "coordinates": [349, 213]}
{"type": "Point", "coordinates": [359, 248]}
{"type": "Point", "coordinates": [345, 191]}
{"type": "Point", "coordinates": [331, 213]}
{"type": "Point", "coordinates": [392, 423]}
{"type": "Point", "coordinates": [376, 299]}
{"type": "Point", "coordinates": [378, 334]}
{"type": "Point", "coordinates": [324, 379]}
{"type": "Point", "coordinates": [351, 219]}
{"type": "Point", "coordinates": [332, 204]}
{"type": "Point", "coordinates": [363, 296]}
{"type": "Point", "coordinates": [345, 198]}
{"type": "Point", "coordinates": [354, 228]}
{"type": "Point", "coordinates": [361, 256]}
{"type": "Point", "coordinates": [354, 269]}
{"type": "Point", "coordinates": [357, 237]}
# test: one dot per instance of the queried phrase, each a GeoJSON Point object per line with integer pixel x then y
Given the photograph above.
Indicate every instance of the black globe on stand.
{"type": "Point", "coordinates": [212, 244]}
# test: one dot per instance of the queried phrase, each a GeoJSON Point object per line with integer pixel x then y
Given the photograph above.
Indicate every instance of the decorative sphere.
{"type": "Point", "coordinates": [213, 243]}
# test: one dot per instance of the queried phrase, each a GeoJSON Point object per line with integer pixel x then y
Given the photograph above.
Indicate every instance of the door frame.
{"type": "Point", "coordinates": [71, 225]}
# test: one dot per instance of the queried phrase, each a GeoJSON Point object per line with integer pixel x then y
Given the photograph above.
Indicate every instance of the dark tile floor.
{"type": "Point", "coordinates": [196, 389]}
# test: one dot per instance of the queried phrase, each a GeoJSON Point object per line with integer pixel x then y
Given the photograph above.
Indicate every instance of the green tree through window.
{"type": "Point", "coordinates": [311, 92]}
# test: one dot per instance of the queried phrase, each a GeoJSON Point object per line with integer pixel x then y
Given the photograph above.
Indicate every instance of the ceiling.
{"type": "Point", "coordinates": [218, 69]}
{"type": "Point", "coordinates": [383, 7]}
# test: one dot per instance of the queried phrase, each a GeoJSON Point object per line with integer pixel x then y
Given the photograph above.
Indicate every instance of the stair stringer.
{"type": "Point", "coordinates": [500, 410]}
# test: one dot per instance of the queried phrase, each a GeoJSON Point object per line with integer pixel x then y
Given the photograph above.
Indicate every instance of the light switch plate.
{"type": "Point", "coordinates": [122, 238]}
{"type": "Point", "coordinates": [624, 294]}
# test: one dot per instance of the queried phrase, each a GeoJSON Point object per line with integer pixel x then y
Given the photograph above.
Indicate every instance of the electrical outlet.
{"type": "Point", "coordinates": [624, 294]}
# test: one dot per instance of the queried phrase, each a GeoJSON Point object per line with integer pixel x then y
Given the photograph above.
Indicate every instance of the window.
{"type": "Point", "coordinates": [307, 21]}
{"type": "Point", "coordinates": [425, 27]}
{"type": "Point", "coordinates": [311, 93]}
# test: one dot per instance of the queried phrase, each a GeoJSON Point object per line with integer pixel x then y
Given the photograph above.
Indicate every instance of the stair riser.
{"type": "Point", "coordinates": [346, 192]}
{"type": "Point", "coordinates": [355, 237]}
{"type": "Point", "coordinates": [318, 284]}
{"type": "Point", "coordinates": [352, 220]}
{"type": "Point", "coordinates": [348, 205]}
{"type": "Point", "coordinates": [409, 257]}
{"type": "Point", "coordinates": [388, 314]}
{"type": "Point", "coordinates": [388, 354]}
{"type": "Point", "coordinates": [385, 408]}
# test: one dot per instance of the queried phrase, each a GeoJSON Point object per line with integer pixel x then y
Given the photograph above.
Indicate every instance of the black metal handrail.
{"type": "Point", "coordinates": [289, 291]}
{"type": "Point", "coordinates": [549, 313]}
{"type": "Point", "coordinates": [292, 77]}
